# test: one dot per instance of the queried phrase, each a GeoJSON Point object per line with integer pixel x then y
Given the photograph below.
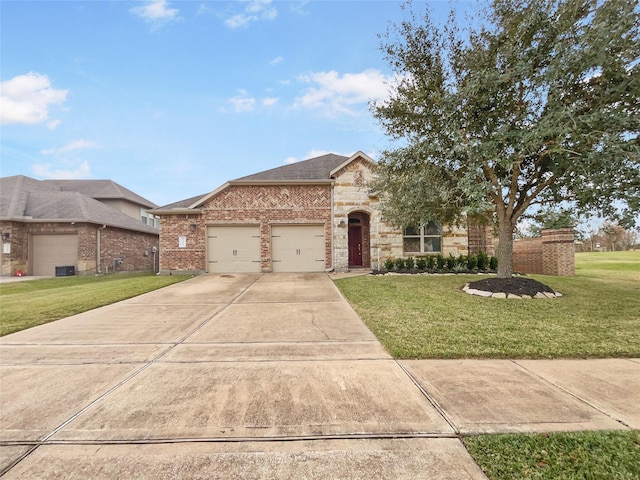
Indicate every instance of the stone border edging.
{"type": "Point", "coordinates": [483, 293]}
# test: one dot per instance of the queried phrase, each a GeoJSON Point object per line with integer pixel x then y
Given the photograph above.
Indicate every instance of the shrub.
{"type": "Point", "coordinates": [483, 260]}
{"type": "Point", "coordinates": [462, 262]}
{"type": "Point", "coordinates": [431, 262]}
{"type": "Point", "coordinates": [451, 261]}
{"type": "Point", "coordinates": [440, 261]}
{"type": "Point", "coordinates": [388, 264]}
{"type": "Point", "coordinates": [399, 264]}
{"type": "Point", "coordinates": [493, 263]}
{"type": "Point", "coordinates": [421, 263]}
{"type": "Point", "coordinates": [410, 263]}
{"type": "Point", "coordinates": [472, 262]}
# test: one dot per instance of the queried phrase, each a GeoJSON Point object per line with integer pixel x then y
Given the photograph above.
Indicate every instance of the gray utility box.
{"type": "Point", "coordinates": [65, 271]}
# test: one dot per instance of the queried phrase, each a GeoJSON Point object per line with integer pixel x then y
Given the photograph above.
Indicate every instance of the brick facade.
{"type": "Point", "coordinates": [133, 248]}
{"type": "Point", "coordinates": [551, 254]}
{"type": "Point", "coordinates": [263, 205]}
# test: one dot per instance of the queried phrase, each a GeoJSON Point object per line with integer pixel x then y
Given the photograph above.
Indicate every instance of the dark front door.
{"type": "Point", "coordinates": [355, 245]}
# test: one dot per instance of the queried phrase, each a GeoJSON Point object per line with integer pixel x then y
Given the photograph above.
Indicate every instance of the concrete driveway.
{"type": "Point", "coordinates": [264, 376]}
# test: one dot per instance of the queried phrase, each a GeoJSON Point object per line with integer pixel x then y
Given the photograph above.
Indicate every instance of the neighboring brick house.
{"type": "Point", "coordinates": [94, 226]}
{"type": "Point", "coordinates": [312, 216]}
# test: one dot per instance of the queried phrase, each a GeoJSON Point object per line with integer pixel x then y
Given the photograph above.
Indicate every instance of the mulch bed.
{"type": "Point", "coordinates": [514, 285]}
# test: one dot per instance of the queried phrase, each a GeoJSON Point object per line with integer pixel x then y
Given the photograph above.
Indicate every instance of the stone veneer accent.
{"type": "Point", "coordinates": [351, 194]}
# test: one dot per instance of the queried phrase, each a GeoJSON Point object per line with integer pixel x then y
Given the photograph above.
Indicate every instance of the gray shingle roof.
{"type": "Point", "coordinates": [318, 168]}
{"type": "Point", "coordinates": [26, 199]}
{"type": "Point", "coordinates": [101, 190]}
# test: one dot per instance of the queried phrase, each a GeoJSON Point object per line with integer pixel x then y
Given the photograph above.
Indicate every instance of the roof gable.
{"type": "Point", "coordinates": [101, 190]}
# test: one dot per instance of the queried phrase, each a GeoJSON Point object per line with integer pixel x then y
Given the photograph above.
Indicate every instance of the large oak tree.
{"type": "Point", "coordinates": [537, 104]}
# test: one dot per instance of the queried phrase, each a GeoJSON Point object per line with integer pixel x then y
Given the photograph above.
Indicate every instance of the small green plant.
{"type": "Point", "coordinates": [451, 261]}
{"type": "Point", "coordinates": [399, 263]}
{"type": "Point", "coordinates": [431, 262]}
{"type": "Point", "coordinates": [493, 263]}
{"type": "Point", "coordinates": [421, 264]}
{"type": "Point", "coordinates": [440, 261]}
{"type": "Point", "coordinates": [462, 262]}
{"type": "Point", "coordinates": [410, 263]}
{"type": "Point", "coordinates": [472, 262]}
{"type": "Point", "coordinates": [483, 260]}
{"type": "Point", "coordinates": [388, 264]}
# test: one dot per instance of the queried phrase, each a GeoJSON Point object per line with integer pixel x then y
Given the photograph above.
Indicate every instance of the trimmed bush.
{"type": "Point", "coordinates": [421, 264]}
{"type": "Point", "coordinates": [472, 262]}
{"type": "Point", "coordinates": [493, 263]}
{"type": "Point", "coordinates": [410, 263]}
{"type": "Point", "coordinates": [431, 262]}
{"type": "Point", "coordinates": [388, 264]}
{"type": "Point", "coordinates": [440, 261]}
{"type": "Point", "coordinates": [399, 263]}
{"type": "Point", "coordinates": [483, 260]}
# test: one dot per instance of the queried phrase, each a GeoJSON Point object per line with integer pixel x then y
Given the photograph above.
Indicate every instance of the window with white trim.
{"type": "Point", "coordinates": [423, 239]}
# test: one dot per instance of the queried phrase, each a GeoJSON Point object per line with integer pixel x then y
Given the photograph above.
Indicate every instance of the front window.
{"type": "Point", "coordinates": [423, 239]}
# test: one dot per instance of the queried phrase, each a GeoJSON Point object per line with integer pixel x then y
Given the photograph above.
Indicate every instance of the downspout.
{"type": "Point", "coordinates": [98, 248]}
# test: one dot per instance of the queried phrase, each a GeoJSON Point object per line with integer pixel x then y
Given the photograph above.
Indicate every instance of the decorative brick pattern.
{"type": "Point", "coordinates": [263, 205]}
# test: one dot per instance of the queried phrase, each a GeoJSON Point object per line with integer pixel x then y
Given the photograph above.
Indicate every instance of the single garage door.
{"type": "Point", "coordinates": [297, 248]}
{"type": "Point", "coordinates": [51, 251]}
{"type": "Point", "coordinates": [233, 249]}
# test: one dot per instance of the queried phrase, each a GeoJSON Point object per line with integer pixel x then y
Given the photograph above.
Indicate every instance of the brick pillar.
{"type": "Point", "coordinates": [558, 252]}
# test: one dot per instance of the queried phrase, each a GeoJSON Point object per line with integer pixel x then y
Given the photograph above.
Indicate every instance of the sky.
{"type": "Point", "coordinates": [173, 98]}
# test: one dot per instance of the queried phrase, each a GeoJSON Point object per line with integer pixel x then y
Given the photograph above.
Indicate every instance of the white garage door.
{"type": "Point", "coordinates": [51, 251]}
{"type": "Point", "coordinates": [297, 248]}
{"type": "Point", "coordinates": [233, 249]}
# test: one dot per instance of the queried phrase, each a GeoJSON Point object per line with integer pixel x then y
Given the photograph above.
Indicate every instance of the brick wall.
{"type": "Point", "coordinates": [263, 205]}
{"type": "Point", "coordinates": [480, 237]}
{"type": "Point", "coordinates": [551, 254]}
{"type": "Point", "coordinates": [128, 245]}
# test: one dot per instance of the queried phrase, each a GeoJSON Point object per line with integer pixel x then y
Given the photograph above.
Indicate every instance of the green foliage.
{"type": "Point", "coordinates": [536, 105]}
{"type": "Point", "coordinates": [410, 263]}
{"type": "Point", "coordinates": [441, 262]}
{"type": "Point", "coordinates": [451, 261]}
{"type": "Point", "coordinates": [399, 264]}
{"type": "Point", "coordinates": [389, 264]}
{"type": "Point", "coordinates": [472, 262]}
{"type": "Point", "coordinates": [493, 263]}
{"type": "Point", "coordinates": [431, 262]}
{"type": "Point", "coordinates": [421, 264]}
{"type": "Point", "coordinates": [483, 260]}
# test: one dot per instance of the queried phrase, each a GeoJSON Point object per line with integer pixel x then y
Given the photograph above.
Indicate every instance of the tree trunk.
{"type": "Point", "coordinates": [504, 252]}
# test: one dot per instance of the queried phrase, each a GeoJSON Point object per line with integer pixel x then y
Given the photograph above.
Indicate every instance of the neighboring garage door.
{"type": "Point", "coordinates": [233, 249]}
{"type": "Point", "coordinates": [297, 248]}
{"type": "Point", "coordinates": [51, 251]}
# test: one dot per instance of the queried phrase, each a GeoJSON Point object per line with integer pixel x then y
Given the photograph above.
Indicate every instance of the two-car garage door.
{"type": "Point", "coordinates": [294, 248]}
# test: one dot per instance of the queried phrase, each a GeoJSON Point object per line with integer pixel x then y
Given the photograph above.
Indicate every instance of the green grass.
{"type": "Point", "coordinates": [430, 317]}
{"type": "Point", "coordinates": [34, 302]}
{"type": "Point", "coordinates": [558, 456]}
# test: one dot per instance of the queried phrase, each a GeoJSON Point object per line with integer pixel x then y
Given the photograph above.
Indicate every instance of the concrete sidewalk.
{"type": "Point", "coordinates": [270, 376]}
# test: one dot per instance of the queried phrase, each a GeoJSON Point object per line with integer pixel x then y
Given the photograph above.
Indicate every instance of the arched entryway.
{"type": "Point", "coordinates": [359, 240]}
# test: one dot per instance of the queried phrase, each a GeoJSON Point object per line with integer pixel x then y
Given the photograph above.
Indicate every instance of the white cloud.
{"type": "Point", "coordinates": [276, 61]}
{"type": "Point", "coordinates": [27, 98]}
{"type": "Point", "coordinates": [156, 12]}
{"type": "Point", "coordinates": [70, 147]}
{"type": "Point", "coordinates": [46, 170]}
{"type": "Point", "coordinates": [336, 95]}
{"type": "Point", "coordinates": [254, 11]}
{"type": "Point", "coordinates": [269, 102]}
{"type": "Point", "coordinates": [242, 102]}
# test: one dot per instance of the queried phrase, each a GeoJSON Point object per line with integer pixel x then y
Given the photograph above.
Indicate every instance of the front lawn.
{"type": "Point", "coordinates": [34, 302]}
{"type": "Point", "coordinates": [558, 456]}
{"type": "Point", "coordinates": [429, 316]}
